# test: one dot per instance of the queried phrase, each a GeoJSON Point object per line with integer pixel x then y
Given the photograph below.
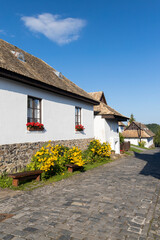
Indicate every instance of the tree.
{"type": "Point", "coordinates": [153, 127]}
{"type": "Point", "coordinates": [131, 119]}
{"type": "Point", "coordinates": [157, 139]}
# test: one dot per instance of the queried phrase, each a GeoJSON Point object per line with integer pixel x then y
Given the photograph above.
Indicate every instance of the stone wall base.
{"type": "Point", "coordinates": [15, 157]}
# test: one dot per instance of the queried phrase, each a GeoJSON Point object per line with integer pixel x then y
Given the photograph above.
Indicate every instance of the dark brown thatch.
{"type": "Point", "coordinates": [36, 69]}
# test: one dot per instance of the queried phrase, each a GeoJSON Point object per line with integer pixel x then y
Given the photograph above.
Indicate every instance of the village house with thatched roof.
{"type": "Point", "coordinates": [106, 122]}
{"type": "Point", "coordinates": [121, 126]}
{"type": "Point", "coordinates": [137, 132]}
{"type": "Point", "coordinates": [33, 91]}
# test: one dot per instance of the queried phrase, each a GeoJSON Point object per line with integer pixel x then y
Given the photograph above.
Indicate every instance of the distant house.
{"type": "Point", "coordinates": [106, 122]}
{"type": "Point", "coordinates": [137, 132]}
{"type": "Point", "coordinates": [33, 91]}
{"type": "Point", "coordinates": [121, 126]}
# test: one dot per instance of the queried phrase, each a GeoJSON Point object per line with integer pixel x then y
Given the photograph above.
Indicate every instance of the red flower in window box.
{"type": "Point", "coordinates": [121, 151]}
{"type": "Point", "coordinates": [79, 127]}
{"type": "Point", "coordinates": [32, 126]}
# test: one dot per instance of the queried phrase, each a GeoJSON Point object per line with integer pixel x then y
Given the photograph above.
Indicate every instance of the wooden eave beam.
{"type": "Point", "coordinates": [112, 116]}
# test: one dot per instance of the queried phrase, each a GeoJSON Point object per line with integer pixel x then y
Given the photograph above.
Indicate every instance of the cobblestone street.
{"type": "Point", "coordinates": [119, 200]}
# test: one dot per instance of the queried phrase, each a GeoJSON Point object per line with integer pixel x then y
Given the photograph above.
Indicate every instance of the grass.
{"type": "Point", "coordinates": [129, 152]}
{"type": "Point", "coordinates": [139, 146]}
{"type": "Point", "coordinates": [6, 182]}
{"type": "Point", "coordinates": [135, 150]}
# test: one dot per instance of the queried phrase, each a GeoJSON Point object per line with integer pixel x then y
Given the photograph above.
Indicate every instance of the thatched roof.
{"type": "Point", "coordinates": [134, 134]}
{"type": "Point", "coordinates": [142, 131]}
{"type": "Point", "coordinates": [37, 70]}
{"type": "Point", "coordinates": [99, 96]}
{"type": "Point", "coordinates": [105, 110]}
{"type": "Point", "coordinates": [121, 124]}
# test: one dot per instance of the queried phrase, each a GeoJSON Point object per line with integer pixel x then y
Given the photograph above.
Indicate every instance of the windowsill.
{"type": "Point", "coordinates": [79, 132]}
{"type": "Point", "coordinates": [35, 131]}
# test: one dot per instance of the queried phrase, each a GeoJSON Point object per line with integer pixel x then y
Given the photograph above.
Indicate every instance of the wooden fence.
{"type": "Point", "coordinates": [125, 146]}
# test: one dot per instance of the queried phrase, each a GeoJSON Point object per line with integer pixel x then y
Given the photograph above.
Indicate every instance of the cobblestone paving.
{"type": "Point", "coordinates": [117, 201]}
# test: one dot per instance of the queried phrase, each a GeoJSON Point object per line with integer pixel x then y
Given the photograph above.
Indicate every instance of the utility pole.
{"type": "Point", "coordinates": [140, 132]}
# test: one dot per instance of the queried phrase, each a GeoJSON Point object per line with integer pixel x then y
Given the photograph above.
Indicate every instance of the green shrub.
{"type": "Point", "coordinates": [50, 159]}
{"type": "Point", "coordinates": [142, 144]}
{"type": "Point", "coordinates": [157, 139]}
{"type": "Point", "coordinates": [5, 181]}
{"type": "Point", "coordinates": [121, 138]}
{"type": "Point", "coordinates": [97, 151]}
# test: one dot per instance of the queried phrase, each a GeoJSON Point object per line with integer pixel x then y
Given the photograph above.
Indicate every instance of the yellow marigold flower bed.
{"type": "Point", "coordinates": [53, 158]}
{"type": "Point", "coordinates": [74, 155]}
{"type": "Point", "coordinates": [96, 151]}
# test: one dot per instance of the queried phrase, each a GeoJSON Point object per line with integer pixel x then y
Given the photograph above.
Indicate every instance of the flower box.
{"type": "Point", "coordinates": [121, 151]}
{"type": "Point", "coordinates": [79, 128]}
{"type": "Point", "coordinates": [32, 126]}
{"type": "Point", "coordinates": [34, 129]}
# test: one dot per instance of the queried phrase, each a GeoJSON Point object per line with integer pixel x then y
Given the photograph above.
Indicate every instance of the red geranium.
{"type": "Point", "coordinates": [79, 127]}
{"type": "Point", "coordinates": [34, 125]}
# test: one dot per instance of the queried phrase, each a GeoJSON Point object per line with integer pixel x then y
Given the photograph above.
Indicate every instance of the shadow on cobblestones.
{"type": "Point", "coordinates": [152, 167]}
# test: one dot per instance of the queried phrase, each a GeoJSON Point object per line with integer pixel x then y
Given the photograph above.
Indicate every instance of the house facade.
{"type": "Point", "coordinates": [121, 127]}
{"type": "Point", "coordinates": [106, 120]}
{"type": "Point", "coordinates": [32, 91]}
{"type": "Point", "coordinates": [137, 132]}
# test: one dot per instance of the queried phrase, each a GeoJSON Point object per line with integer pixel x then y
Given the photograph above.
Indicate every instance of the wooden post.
{"type": "Point", "coordinates": [70, 169]}
{"type": "Point", "coordinates": [38, 178]}
{"type": "Point", "coordinates": [15, 182]}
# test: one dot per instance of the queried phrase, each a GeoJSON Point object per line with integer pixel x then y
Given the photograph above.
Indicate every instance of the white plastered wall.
{"type": "Point", "coordinates": [121, 129]}
{"type": "Point", "coordinates": [58, 115]}
{"type": "Point", "coordinates": [135, 141]}
{"type": "Point", "coordinates": [106, 131]}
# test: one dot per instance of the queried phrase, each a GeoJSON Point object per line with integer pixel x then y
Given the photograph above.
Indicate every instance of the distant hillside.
{"type": "Point", "coordinates": [153, 127]}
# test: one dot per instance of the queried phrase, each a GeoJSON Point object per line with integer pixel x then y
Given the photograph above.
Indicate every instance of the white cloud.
{"type": "Point", "coordinates": [61, 31]}
{"type": "Point", "coordinates": [2, 31]}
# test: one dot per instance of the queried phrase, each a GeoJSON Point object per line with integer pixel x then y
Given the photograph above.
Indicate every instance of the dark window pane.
{"type": "Point", "coordinates": [30, 119]}
{"type": "Point", "coordinates": [30, 103]}
{"type": "Point", "coordinates": [36, 113]}
{"type": "Point", "coordinates": [34, 110]}
{"type": "Point", "coordinates": [30, 112]}
{"type": "Point", "coordinates": [37, 120]}
{"type": "Point", "coordinates": [36, 104]}
{"type": "Point", "coordinates": [77, 115]}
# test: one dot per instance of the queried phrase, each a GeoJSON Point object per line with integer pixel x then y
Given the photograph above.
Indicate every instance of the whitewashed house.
{"type": "Point", "coordinates": [137, 132]}
{"type": "Point", "coordinates": [121, 127]}
{"type": "Point", "coordinates": [106, 122]}
{"type": "Point", "coordinates": [32, 91]}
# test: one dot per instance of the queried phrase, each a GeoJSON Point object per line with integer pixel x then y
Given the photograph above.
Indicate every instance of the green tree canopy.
{"type": "Point", "coordinates": [153, 127]}
{"type": "Point", "coordinates": [157, 139]}
{"type": "Point", "coordinates": [132, 118]}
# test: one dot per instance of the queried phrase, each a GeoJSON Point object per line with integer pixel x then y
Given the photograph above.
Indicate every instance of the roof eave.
{"type": "Point", "coordinates": [112, 116]}
{"type": "Point", "coordinates": [35, 83]}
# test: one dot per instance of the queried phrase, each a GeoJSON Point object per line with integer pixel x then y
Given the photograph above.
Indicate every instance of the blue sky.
{"type": "Point", "coordinates": [101, 45]}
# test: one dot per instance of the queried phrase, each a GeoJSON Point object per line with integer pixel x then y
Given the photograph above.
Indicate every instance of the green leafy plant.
{"type": "Point", "coordinates": [97, 151]}
{"type": "Point", "coordinates": [74, 156]}
{"type": "Point", "coordinates": [5, 181]}
{"type": "Point", "coordinates": [157, 139]}
{"type": "Point", "coordinates": [142, 144]}
{"type": "Point", "coordinates": [50, 159]}
{"type": "Point", "coordinates": [132, 118]}
{"type": "Point", "coordinates": [121, 138]}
